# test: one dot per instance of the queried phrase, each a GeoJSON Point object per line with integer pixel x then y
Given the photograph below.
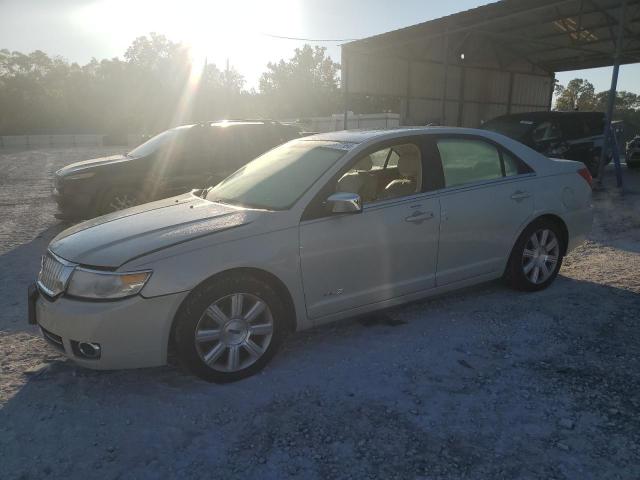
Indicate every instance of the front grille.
{"type": "Point", "coordinates": [53, 339]}
{"type": "Point", "coordinates": [54, 273]}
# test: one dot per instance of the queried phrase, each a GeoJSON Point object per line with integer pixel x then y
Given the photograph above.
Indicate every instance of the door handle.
{"type": "Point", "coordinates": [520, 195]}
{"type": "Point", "coordinates": [419, 217]}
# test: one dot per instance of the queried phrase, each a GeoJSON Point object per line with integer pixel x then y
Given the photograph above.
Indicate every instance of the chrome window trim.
{"type": "Point", "coordinates": [484, 183]}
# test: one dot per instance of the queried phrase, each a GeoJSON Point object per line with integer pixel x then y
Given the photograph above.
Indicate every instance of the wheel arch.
{"type": "Point", "coordinates": [291, 323]}
{"type": "Point", "coordinates": [552, 217]}
{"type": "Point", "coordinates": [560, 223]}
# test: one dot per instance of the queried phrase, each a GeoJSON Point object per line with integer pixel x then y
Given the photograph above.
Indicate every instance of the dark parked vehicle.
{"type": "Point", "coordinates": [171, 163]}
{"type": "Point", "coordinates": [633, 152]}
{"type": "Point", "coordinates": [572, 135]}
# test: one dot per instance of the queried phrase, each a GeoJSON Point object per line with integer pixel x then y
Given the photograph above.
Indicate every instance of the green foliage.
{"type": "Point", "coordinates": [306, 85]}
{"type": "Point", "coordinates": [579, 94]}
{"type": "Point", "coordinates": [152, 88]}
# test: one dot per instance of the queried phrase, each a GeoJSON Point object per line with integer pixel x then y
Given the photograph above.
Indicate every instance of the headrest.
{"type": "Point", "coordinates": [409, 161]}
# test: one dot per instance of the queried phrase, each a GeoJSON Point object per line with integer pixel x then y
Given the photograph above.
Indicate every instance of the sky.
{"type": "Point", "coordinates": [240, 31]}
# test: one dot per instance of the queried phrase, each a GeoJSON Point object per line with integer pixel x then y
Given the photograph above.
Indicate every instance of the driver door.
{"type": "Point", "coordinates": [388, 250]}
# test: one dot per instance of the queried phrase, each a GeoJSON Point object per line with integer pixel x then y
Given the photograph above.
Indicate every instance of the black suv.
{"type": "Point", "coordinates": [571, 135]}
{"type": "Point", "coordinates": [171, 163]}
{"type": "Point", "coordinates": [633, 152]}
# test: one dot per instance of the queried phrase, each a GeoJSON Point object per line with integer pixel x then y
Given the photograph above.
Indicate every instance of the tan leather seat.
{"type": "Point", "coordinates": [357, 180]}
{"type": "Point", "coordinates": [410, 171]}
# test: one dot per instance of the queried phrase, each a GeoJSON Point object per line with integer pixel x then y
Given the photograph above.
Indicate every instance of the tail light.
{"type": "Point", "coordinates": [584, 173]}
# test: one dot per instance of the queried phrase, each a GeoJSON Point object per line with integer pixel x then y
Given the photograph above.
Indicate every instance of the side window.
{"type": "Point", "coordinates": [374, 178]}
{"type": "Point", "coordinates": [467, 160]}
{"type": "Point", "coordinates": [511, 165]}
{"type": "Point", "coordinates": [223, 151]}
{"type": "Point", "coordinates": [574, 128]}
{"type": "Point", "coordinates": [547, 131]}
{"type": "Point", "coordinates": [393, 160]}
{"type": "Point", "coordinates": [379, 158]}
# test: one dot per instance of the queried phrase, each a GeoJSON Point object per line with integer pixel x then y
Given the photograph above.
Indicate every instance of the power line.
{"type": "Point", "coordinates": [302, 39]}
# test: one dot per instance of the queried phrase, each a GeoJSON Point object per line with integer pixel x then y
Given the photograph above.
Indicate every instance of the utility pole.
{"type": "Point", "coordinates": [611, 102]}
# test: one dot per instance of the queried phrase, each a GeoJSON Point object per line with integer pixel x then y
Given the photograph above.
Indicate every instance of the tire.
{"type": "Point", "coordinates": [115, 199]}
{"type": "Point", "coordinates": [526, 258]}
{"type": "Point", "coordinates": [229, 314]}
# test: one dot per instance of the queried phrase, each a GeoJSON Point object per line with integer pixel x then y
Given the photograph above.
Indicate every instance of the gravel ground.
{"type": "Point", "coordinates": [484, 383]}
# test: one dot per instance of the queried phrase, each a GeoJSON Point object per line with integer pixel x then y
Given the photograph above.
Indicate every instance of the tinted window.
{"type": "Point", "coordinates": [574, 127]}
{"type": "Point", "coordinates": [510, 127]}
{"type": "Point", "coordinates": [595, 124]}
{"type": "Point", "coordinates": [162, 140]}
{"type": "Point", "coordinates": [466, 161]}
{"type": "Point", "coordinates": [546, 131]}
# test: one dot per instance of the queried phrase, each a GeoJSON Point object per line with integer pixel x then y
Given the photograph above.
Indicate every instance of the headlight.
{"type": "Point", "coordinates": [106, 285]}
{"type": "Point", "coordinates": [79, 176]}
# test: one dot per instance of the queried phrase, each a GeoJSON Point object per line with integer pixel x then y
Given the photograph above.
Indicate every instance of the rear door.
{"type": "Point", "coordinates": [488, 195]}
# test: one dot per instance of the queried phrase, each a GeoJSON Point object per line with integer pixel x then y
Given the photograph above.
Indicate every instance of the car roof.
{"type": "Point", "coordinates": [361, 136]}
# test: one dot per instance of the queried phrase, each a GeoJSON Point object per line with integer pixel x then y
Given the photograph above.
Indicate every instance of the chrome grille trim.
{"type": "Point", "coordinates": [54, 274]}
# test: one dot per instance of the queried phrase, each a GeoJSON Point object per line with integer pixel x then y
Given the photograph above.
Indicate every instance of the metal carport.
{"type": "Point", "coordinates": [495, 59]}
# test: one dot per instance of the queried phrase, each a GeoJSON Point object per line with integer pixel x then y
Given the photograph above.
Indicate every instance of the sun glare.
{"type": "Point", "coordinates": [216, 30]}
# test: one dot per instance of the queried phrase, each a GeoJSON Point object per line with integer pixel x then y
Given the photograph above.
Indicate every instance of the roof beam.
{"type": "Point", "coordinates": [593, 42]}
{"type": "Point", "coordinates": [610, 18]}
{"type": "Point", "coordinates": [509, 16]}
{"type": "Point", "coordinates": [539, 42]}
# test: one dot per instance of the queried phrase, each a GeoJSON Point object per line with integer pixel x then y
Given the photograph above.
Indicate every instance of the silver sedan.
{"type": "Point", "coordinates": [316, 230]}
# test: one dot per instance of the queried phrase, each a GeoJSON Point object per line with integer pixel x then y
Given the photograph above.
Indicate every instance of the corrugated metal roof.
{"type": "Point", "coordinates": [553, 35]}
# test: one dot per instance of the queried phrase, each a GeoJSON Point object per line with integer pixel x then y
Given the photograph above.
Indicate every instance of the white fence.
{"type": "Point", "coordinates": [30, 141]}
{"type": "Point", "coordinates": [371, 121]}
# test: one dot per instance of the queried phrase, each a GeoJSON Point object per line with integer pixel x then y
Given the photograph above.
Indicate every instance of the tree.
{"type": "Point", "coordinates": [305, 85]}
{"type": "Point", "coordinates": [579, 94]}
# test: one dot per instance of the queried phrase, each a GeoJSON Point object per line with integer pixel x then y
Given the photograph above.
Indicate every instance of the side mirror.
{"type": "Point", "coordinates": [345, 202]}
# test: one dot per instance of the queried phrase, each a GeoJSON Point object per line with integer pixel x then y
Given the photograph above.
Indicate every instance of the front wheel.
{"type": "Point", "coordinates": [536, 257]}
{"type": "Point", "coordinates": [229, 328]}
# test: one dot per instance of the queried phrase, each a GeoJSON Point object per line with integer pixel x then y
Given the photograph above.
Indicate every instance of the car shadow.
{"type": "Point", "coordinates": [429, 373]}
{"type": "Point", "coordinates": [19, 268]}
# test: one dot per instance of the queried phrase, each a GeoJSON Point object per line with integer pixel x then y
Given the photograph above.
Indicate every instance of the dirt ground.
{"type": "Point", "coordinates": [484, 383]}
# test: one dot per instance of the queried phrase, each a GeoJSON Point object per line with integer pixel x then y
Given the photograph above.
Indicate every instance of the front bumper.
{"type": "Point", "coordinates": [72, 204]}
{"type": "Point", "coordinates": [132, 333]}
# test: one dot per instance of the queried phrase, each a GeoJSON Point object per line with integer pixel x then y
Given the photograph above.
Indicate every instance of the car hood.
{"type": "Point", "coordinates": [112, 240]}
{"type": "Point", "coordinates": [95, 162]}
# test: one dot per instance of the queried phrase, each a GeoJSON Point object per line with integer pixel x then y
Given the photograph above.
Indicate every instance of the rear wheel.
{"type": "Point", "coordinates": [229, 328]}
{"type": "Point", "coordinates": [536, 257]}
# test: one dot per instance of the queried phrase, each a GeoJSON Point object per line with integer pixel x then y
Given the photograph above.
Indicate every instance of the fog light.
{"type": "Point", "coordinates": [86, 350]}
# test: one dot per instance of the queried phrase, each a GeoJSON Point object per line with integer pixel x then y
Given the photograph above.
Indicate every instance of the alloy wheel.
{"type": "Point", "coordinates": [540, 256]}
{"type": "Point", "coordinates": [234, 332]}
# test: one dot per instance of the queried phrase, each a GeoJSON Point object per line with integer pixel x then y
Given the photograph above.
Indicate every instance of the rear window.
{"type": "Point", "coordinates": [510, 127]}
{"type": "Point", "coordinates": [595, 124]}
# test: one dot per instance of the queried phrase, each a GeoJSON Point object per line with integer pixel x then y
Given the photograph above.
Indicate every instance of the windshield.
{"type": "Point", "coordinates": [510, 127]}
{"type": "Point", "coordinates": [277, 179]}
{"type": "Point", "coordinates": [153, 144]}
